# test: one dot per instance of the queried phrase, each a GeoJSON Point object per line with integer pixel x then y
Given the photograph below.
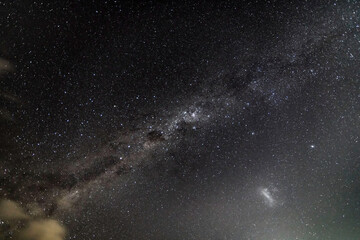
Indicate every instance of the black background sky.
{"type": "Point", "coordinates": [78, 60]}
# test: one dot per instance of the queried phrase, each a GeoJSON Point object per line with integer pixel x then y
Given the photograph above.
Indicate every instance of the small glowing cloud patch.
{"type": "Point", "coordinates": [9, 211]}
{"type": "Point", "coordinates": [268, 197]}
{"type": "Point", "coordinates": [26, 227]}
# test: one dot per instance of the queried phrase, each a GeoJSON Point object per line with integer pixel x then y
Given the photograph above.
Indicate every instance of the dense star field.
{"type": "Point", "coordinates": [167, 120]}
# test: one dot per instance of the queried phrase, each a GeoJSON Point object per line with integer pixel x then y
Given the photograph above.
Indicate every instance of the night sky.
{"type": "Point", "coordinates": [180, 120]}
